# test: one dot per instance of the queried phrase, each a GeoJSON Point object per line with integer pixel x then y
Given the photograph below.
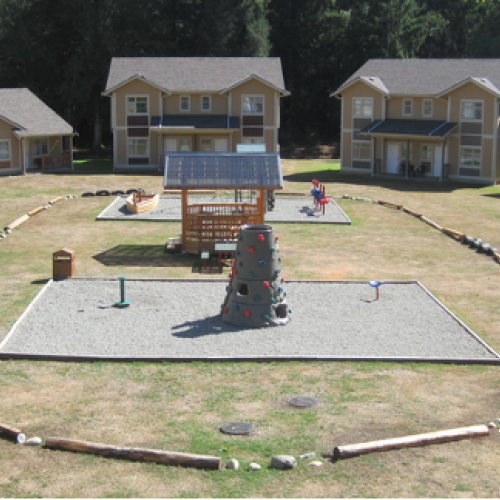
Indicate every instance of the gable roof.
{"type": "Point", "coordinates": [29, 115]}
{"type": "Point", "coordinates": [195, 74]}
{"type": "Point", "coordinates": [428, 77]}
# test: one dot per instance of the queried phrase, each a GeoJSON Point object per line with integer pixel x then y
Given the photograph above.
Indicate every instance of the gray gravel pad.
{"type": "Point", "coordinates": [293, 209]}
{"type": "Point", "coordinates": [179, 320]}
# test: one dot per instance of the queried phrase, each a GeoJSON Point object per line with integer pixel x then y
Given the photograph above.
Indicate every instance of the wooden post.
{"type": "Point", "coordinates": [354, 450]}
{"type": "Point", "coordinates": [184, 196]}
{"type": "Point", "coordinates": [261, 205]}
{"type": "Point", "coordinates": [9, 432]}
{"type": "Point", "coordinates": [139, 454]}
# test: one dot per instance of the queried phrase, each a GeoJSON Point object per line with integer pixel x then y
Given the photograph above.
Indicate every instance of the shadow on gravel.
{"type": "Point", "coordinates": [212, 325]}
{"type": "Point", "coordinates": [144, 256]}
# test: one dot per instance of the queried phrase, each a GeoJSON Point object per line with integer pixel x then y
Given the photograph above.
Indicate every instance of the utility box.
{"type": "Point", "coordinates": [63, 264]}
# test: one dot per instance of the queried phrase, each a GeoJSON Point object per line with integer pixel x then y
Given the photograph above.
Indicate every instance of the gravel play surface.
{"type": "Point", "coordinates": [179, 320]}
{"type": "Point", "coordinates": [286, 209]}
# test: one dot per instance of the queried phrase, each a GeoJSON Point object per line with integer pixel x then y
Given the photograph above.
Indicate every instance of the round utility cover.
{"type": "Point", "coordinates": [237, 428]}
{"type": "Point", "coordinates": [303, 401]}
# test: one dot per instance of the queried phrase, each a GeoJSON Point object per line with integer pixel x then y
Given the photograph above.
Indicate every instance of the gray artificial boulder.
{"type": "Point", "coordinates": [283, 462]}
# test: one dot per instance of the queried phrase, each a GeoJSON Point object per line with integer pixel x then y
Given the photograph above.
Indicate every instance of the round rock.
{"type": "Point", "coordinates": [254, 466]}
{"type": "Point", "coordinates": [237, 428]}
{"type": "Point", "coordinates": [283, 462]}
{"type": "Point", "coordinates": [33, 441]}
{"type": "Point", "coordinates": [303, 401]}
{"type": "Point", "coordinates": [233, 464]}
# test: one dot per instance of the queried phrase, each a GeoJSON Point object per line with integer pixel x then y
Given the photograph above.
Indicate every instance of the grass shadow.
{"type": "Point", "coordinates": [396, 184]}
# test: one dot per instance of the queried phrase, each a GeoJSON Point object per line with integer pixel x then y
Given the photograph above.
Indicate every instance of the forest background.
{"type": "Point", "coordinates": [61, 49]}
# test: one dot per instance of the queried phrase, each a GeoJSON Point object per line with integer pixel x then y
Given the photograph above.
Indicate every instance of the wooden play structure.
{"type": "Point", "coordinates": [204, 224]}
{"type": "Point", "coordinates": [141, 202]}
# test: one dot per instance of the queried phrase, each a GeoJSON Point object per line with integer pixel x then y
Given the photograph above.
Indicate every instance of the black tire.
{"type": "Point", "coordinates": [102, 192]}
{"type": "Point", "coordinates": [87, 194]}
{"type": "Point", "coordinates": [117, 192]}
{"type": "Point", "coordinates": [133, 190]}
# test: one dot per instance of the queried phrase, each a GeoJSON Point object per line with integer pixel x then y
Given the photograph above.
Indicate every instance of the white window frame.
{"type": "Point", "coordinates": [135, 97]}
{"type": "Point", "coordinates": [253, 96]}
{"type": "Point", "coordinates": [6, 141]}
{"type": "Point", "coordinates": [131, 140]}
{"type": "Point", "coordinates": [203, 110]}
{"type": "Point", "coordinates": [471, 101]}
{"type": "Point", "coordinates": [476, 151]}
{"type": "Point", "coordinates": [188, 97]}
{"type": "Point", "coordinates": [405, 102]}
{"type": "Point", "coordinates": [364, 101]}
{"type": "Point", "coordinates": [39, 143]}
{"type": "Point", "coordinates": [427, 115]}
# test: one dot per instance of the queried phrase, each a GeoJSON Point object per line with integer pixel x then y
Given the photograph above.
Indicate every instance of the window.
{"type": "Point", "coordinates": [426, 153]}
{"type": "Point", "coordinates": [184, 144]}
{"type": "Point", "coordinates": [137, 105]}
{"type": "Point", "coordinates": [363, 107]}
{"type": "Point", "coordinates": [4, 151]}
{"type": "Point", "coordinates": [362, 150]}
{"type": "Point", "coordinates": [138, 147]}
{"type": "Point", "coordinates": [470, 157]}
{"type": "Point", "coordinates": [185, 103]}
{"type": "Point", "coordinates": [40, 147]}
{"type": "Point", "coordinates": [253, 105]}
{"type": "Point", "coordinates": [472, 111]}
{"type": "Point", "coordinates": [427, 107]}
{"type": "Point", "coordinates": [206, 103]}
{"type": "Point", "coordinates": [407, 107]}
{"type": "Point", "coordinates": [206, 145]}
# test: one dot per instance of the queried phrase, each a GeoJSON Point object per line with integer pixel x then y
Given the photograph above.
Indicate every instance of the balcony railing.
{"type": "Point", "coordinates": [56, 162]}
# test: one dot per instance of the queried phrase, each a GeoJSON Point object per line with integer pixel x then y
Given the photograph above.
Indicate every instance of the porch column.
{"type": "Point", "coordinates": [23, 156]}
{"type": "Point", "coordinates": [374, 158]}
{"type": "Point", "coordinates": [407, 159]}
{"type": "Point", "coordinates": [443, 158]}
{"type": "Point", "coordinates": [70, 149]}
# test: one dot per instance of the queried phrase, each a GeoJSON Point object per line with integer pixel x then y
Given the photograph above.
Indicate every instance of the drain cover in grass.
{"type": "Point", "coordinates": [303, 401]}
{"type": "Point", "coordinates": [237, 428]}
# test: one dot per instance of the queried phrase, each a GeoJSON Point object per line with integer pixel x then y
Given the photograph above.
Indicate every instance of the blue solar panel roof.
{"type": "Point", "coordinates": [223, 171]}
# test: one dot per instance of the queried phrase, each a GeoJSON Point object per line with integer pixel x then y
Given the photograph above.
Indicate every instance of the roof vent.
{"type": "Point", "coordinates": [483, 80]}
{"type": "Point", "coordinates": [371, 78]}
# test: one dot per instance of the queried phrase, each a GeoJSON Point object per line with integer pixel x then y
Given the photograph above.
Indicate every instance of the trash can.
{"type": "Point", "coordinates": [63, 264]}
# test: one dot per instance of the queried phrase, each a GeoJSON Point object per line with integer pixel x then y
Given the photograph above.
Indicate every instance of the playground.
{"type": "Point", "coordinates": [180, 406]}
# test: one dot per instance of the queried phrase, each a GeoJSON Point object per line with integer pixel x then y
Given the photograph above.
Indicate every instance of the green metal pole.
{"type": "Point", "coordinates": [122, 302]}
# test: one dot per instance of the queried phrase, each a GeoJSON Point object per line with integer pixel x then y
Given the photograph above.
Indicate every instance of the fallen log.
{"type": "Point", "coordinates": [136, 454]}
{"type": "Point", "coordinates": [496, 256]}
{"type": "Point", "coordinates": [411, 212]}
{"type": "Point", "coordinates": [55, 200]}
{"type": "Point", "coordinates": [455, 234]}
{"type": "Point", "coordinates": [18, 222]}
{"type": "Point", "coordinates": [9, 432]}
{"type": "Point", "coordinates": [389, 204]}
{"type": "Point", "coordinates": [354, 450]}
{"type": "Point", "coordinates": [431, 223]}
{"type": "Point", "coordinates": [36, 210]}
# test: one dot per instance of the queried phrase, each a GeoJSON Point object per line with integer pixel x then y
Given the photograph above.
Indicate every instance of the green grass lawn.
{"type": "Point", "coordinates": [93, 166]}
{"type": "Point", "coordinates": [180, 406]}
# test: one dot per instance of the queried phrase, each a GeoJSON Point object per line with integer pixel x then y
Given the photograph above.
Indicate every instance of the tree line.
{"type": "Point", "coordinates": [61, 50]}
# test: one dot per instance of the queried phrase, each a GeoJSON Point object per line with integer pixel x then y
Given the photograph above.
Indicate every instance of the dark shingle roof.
{"type": "Point", "coordinates": [223, 171]}
{"type": "Point", "coordinates": [29, 115]}
{"type": "Point", "coordinates": [428, 76]}
{"type": "Point", "coordinates": [195, 74]}
{"type": "Point", "coordinates": [427, 128]}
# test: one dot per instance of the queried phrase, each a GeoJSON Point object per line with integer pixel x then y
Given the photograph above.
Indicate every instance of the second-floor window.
{"type": "Point", "coordinates": [472, 111]}
{"type": "Point", "coordinates": [137, 105]}
{"type": "Point", "coordinates": [407, 107]}
{"type": "Point", "coordinates": [185, 103]}
{"type": "Point", "coordinates": [206, 103]}
{"type": "Point", "coordinates": [253, 105]}
{"type": "Point", "coordinates": [427, 107]}
{"type": "Point", "coordinates": [363, 107]}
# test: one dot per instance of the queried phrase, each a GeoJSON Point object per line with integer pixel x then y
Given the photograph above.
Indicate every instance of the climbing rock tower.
{"type": "Point", "coordinates": [255, 297]}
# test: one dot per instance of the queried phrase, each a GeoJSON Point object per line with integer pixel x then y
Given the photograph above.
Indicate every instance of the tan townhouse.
{"type": "Point", "coordinates": [192, 104]}
{"type": "Point", "coordinates": [433, 118]}
{"type": "Point", "coordinates": [32, 135]}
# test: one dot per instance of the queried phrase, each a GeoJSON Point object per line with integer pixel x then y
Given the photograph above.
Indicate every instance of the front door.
{"type": "Point", "coordinates": [221, 145]}
{"type": "Point", "coordinates": [394, 153]}
{"type": "Point", "coordinates": [173, 144]}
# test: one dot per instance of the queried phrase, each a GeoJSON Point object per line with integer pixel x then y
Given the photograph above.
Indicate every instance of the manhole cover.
{"type": "Point", "coordinates": [303, 401]}
{"type": "Point", "coordinates": [237, 428]}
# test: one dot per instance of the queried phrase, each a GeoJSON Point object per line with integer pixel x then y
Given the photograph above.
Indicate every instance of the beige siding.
{"type": "Point", "coordinates": [360, 89]}
{"type": "Point", "coordinates": [172, 104]}
{"type": "Point", "coordinates": [347, 150]}
{"type": "Point", "coordinates": [395, 108]}
{"type": "Point", "coordinates": [6, 133]}
{"type": "Point", "coordinates": [135, 87]}
{"type": "Point", "coordinates": [254, 87]}
{"type": "Point", "coordinates": [121, 146]}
